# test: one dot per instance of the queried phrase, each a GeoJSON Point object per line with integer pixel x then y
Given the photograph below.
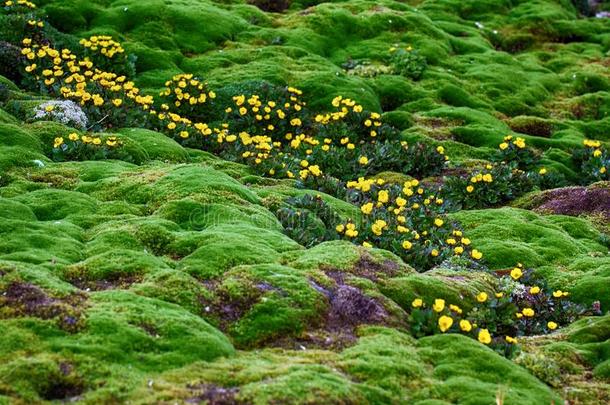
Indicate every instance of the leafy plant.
{"type": "Point", "coordinates": [408, 62]}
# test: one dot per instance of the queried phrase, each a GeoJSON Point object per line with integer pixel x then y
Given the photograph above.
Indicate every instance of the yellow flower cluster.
{"type": "Point", "coordinates": [103, 44]}
{"type": "Point", "coordinates": [449, 314]}
{"type": "Point", "coordinates": [518, 142]}
{"type": "Point", "coordinates": [395, 214]}
{"type": "Point", "coordinates": [344, 107]}
{"type": "Point", "coordinates": [482, 177]}
{"type": "Point", "coordinates": [589, 143]}
{"type": "Point", "coordinates": [21, 3]}
{"type": "Point", "coordinates": [79, 79]}
{"type": "Point", "coordinates": [111, 141]}
{"type": "Point", "coordinates": [185, 88]}
{"type": "Point", "coordinates": [349, 229]}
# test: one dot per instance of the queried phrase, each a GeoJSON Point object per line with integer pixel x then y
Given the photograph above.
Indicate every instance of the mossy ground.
{"type": "Point", "coordinates": [168, 279]}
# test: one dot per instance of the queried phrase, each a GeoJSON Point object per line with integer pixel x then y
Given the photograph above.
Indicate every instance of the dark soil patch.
{"type": "Point", "coordinates": [348, 307]}
{"type": "Point", "coordinates": [67, 386]}
{"type": "Point", "coordinates": [226, 309]}
{"type": "Point", "coordinates": [367, 267]}
{"type": "Point", "coordinates": [576, 201]}
{"type": "Point", "coordinates": [213, 395]}
{"type": "Point", "coordinates": [116, 283]}
{"type": "Point", "coordinates": [25, 299]}
{"type": "Point", "coordinates": [532, 126]}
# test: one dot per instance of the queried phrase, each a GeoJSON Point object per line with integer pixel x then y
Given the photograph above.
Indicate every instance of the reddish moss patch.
{"type": "Point", "coordinates": [24, 299]}
{"type": "Point", "coordinates": [576, 201]}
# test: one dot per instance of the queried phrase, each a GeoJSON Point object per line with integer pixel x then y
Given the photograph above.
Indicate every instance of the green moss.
{"type": "Point", "coordinates": [114, 265]}
{"type": "Point", "coordinates": [508, 235]}
{"type": "Point", "coordinates": [475, 374]}
{"type": "Point", "coordinates": [50, 204]}
{"type": "Point", "coordinates": [211, 260]}
{"type": "Point", "coordinates": [10, 209]}
{"type": "Point", "coordinates": [180, 243]}
{"type": "Point", "coordinates": [456, 287]}
{"type": "Point", "coordinates": [156, 145]}
{"type": "Point", "coordinates": [41, 242]}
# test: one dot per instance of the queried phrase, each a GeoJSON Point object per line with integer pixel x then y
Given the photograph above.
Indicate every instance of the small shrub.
{"type": "Point", "coordinates": [66, 112]}
{"type": "Point", "coordinates": [10, 61]}
{"type": "Point", "coordinates": [515, 153]}
{"type": "Point", "coordinates": [487, 187]}
{"type": "Point", "coordinates": [520, 306]}
{"type": "Point", "coordinates": [593, 161]}
{"type": "Point", "coordinates": [408, 62]}
{"type": "Point", "coordinates": [308, 220]}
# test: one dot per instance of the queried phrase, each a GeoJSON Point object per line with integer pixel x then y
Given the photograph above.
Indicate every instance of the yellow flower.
{"type": "Point", "coordinates": [366, 244]}
{"type": "Point", "coordinates": [484, 336]}
{"type": "Point", "coordinates": [184, 134]}
{"type": "Point", "coordinates": [378, 227]}
{"type": "Point", "coordinates": [73, 137]}
{"type": "Point", "coordinates": [407, 245]}
{"type": "Point", "coordinates": [439, 305]}
{"type": "Point", "coordinates": [511, 340]}
{"type": "Point", "coordinates": [58, 142]}
{"type": "Point", "coordinates": [476, 254]}
{"type": "Point", "coordinates": [551, 325]}
{"type": "Point", "coordinates": [315, 170]}
{"type": "Point", "coordinates": [470, 189]}
{"type": "Point", "coordinates": [440, 149]}
{"type": "Point", "coordinates": [417, 303]}
{"type": "Point", "coordinates": [557, 294]}
{"type": "Point", "coordinates": [597, 153]}
{"type": "Point", "coordinates": [503, 145]}
{"type": "Point", "coordinates": [542, 171]}
{"type": "Point", "coordinates": [351, 233]}
{"type": "Point", "coordinates": [111, 141]}
{"type": "Point", "coordinates": [117, 102]}
{"type": "Point", "coordinates": [465, 325]}
{"type": "Point", "coordinates": [434, 253]}
{"type": "Point", "coordinates": [499, 294]}
{"type": "Point", "coordinates": [363, 160]}
{"type": "Point", "coordinates": [171, 125]}
{"type": "Point", "coordinates": [516, 273]}
{"type": "Point", "coordinates": [519, 142]}
{"type": "Point", "coordinates": [384, 196]}
{"type": "Point", "coordinates": [367, 208]}
{"type": "Point", "coordinates": [438, 222]}
{"type": "Point", "coordinates": [97, 141]}
{"type": "Point", "coordinates": [528, 312]}
{"type": "Point", "coordinates": [455, 309]}
{"type": "Point", "coordinates": [534, 290]}
{"type": "Point", "coordinates": [482, 297]}
{"type": "Point", "coordinates": [444, 323]}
